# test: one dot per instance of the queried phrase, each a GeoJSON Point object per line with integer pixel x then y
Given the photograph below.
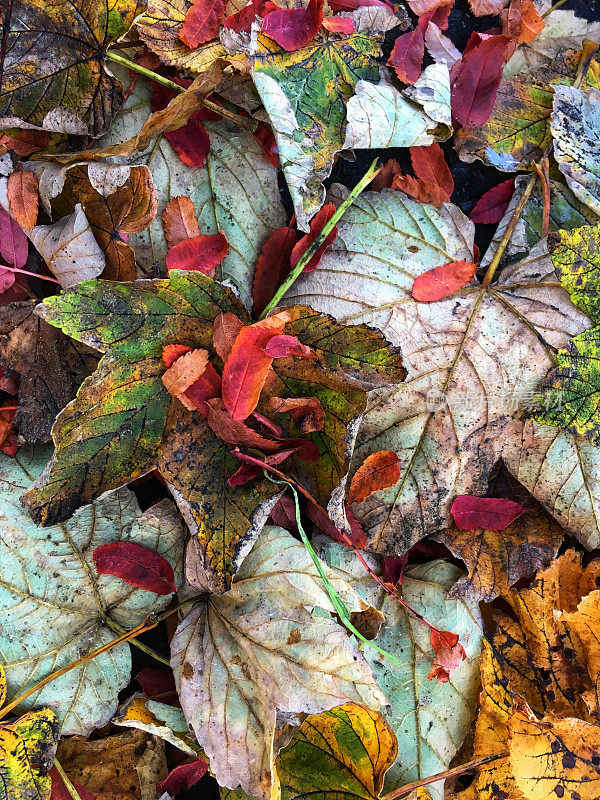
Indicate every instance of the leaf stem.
{"type": "Point", "coordinates": [440, 776]}
{"type": "Point", "coordinates": [245, 122]}
{"type": "Point", "coordinates": [327, 228]}
{"type": "Point", "coordinates": [136, 642]}
{"type": "Point", "coordinates": [67, 781]}
{"type": "Point", "coordinates": [553, 8]}
{"type": "Point", "coordinates": [26, 272]}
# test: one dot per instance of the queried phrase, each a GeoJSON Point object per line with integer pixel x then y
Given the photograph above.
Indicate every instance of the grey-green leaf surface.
{"type": "Point", "coordinates": [55, 608]}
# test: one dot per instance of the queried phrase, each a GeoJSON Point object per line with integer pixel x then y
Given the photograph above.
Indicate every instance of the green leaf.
{"type": "Point", "coordinates": [27, 748]}
{"type": "Point", "coordinates": [305, 94]}
{"type": "Point", "coordinates": [575, 125]}
{"type": "Point", "coordinates": [430, 719]}
{"type": "Point", "coordinates": [474, 362]}
{"type": "Point", "coordinates": [343, 751]}
{"type": "Point", "coordinates": [576, 258]}
{"type": "Point", "coordinates": [235, 191]}
{"type": "Point", "coordinates": [54, 76]}
{"type": "Point", "coordinates": [242, 656]}
{"type": "Point", "coordinates": [55, 607]}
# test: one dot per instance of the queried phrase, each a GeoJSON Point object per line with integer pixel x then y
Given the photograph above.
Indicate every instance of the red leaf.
{"type": "Point", "coordinates": [439, 16]}
{"type": "Point", "coordinates": [137, 565]}
{"type": "Point", "coordinates": [191, 142]}
{"type": "Point", "coordinates": [266, 139]}
{"type": "Point", "coordinates": [158, 683]}
{"type": "Point", "coordinates": [294, 28]}
{"type": "Point", "coordinates": [200, 253]}
{"type": "Point", "coordinates": [407, 55]}
{"type": "Point", "coordinates": [284, 346]}
{"type": "Point", "coordinates": [248, 472]}
{"type": "Point", "coordinates": [242, 20]}
{"type": "Point", "coordinates": [283, 513]}
{"type": "Point", "coordinates": [24, 143]}
{"type": "Point", "coordinates": [439, 282]}
{"type": "Point", "coordinates": [191, 378]}
{"type": "Point", "coordinates": [449, 653]}
{"type": "Point", "coordinates": [183, 777]}
{"type": "Point", "coordinates": [343, 25]}
{"type": "Point", "coordinates": [226, 327]}
{"type": "Point", "coordinates": [492, 206]}
{"type": "Point", "coordinates": [248, 365]}
{"type": "Point", "coordinates": [23, 198]}
{"type": "Point", "coordinates": [420, 7]}
{"type": "Point", "coordinates": [60, 792]}
{"type": "Point", "coordinates": [235, 431]}
{"type": "Point", "coordinates": [489, 513]}
{"type": "Point", "coordinates": [430, 166]}
{"type": "Point", "coordinates": [201, 23]}
{"type": "Point", "coordinates": [378, 471]}
{"type": "Point", "coordinates": [14, 246]}
{"type": "Point", "coordinates": [316, 226]}
{"type": "Point", "coordinates": [476, 84]}
{"type": "Point", "coordinates": [273, 266]}
{"type": "Point", "coordinates": [179, 220]}
{"type": "Point", "coordinates": [386, 175]}
{"type": "Point", "coordinates": [352, 5]}
{"type": "Point", "coordinates": [306, 412]}
{"type": "Point", "coordinates": [7, 279]}
{"type": "Point", "coordinates": [172, 352]}
{"type": "Point", "coordinates": [357, 535]}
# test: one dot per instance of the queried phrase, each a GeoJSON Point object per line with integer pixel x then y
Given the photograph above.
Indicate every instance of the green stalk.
{"type": "Point", "coordinates": [245, 122]}
{"type": "Point", "coordinates": [327, 228]}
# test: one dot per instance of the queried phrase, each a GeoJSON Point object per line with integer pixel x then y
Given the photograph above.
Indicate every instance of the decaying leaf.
{"type": "Point", "coordinates": [54, 604]}
{"type": "Point", "coordinates": [348, 749]}
{"type": "Point", "coordinates": [256, 650]}
{"type": "Point", "coordinates": [159, 719]}
{"type": "Point", "coordinates": [54, 76]}
{"type": "Point", "coordinates": [50, 366]}
{"type": "Point", "coordinates": [460, 387]}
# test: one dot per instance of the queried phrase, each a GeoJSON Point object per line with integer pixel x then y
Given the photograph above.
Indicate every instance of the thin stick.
{"type": "Point", "coordinates": [67, 781]}
{"type": "Point", "coordinates": [327, 228]}
{"type": "Point", "coordinates": [32, 274]}
{"type": "Point", "coordinates": [136, 642]}
{"type": "Point", "coordinates": [553, 8]}
{"type": "Point", "coordinates": [449, 773]}
{"type": "Point", "coordinates": [245, 122]}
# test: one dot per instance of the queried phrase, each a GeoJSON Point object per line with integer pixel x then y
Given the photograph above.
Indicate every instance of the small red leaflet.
{"type": "Point", "coordinates": [137, 565]}
{"type": "Point", "coordinates": [490, 513]}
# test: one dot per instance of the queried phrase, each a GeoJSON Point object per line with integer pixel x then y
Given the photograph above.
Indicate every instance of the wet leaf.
{"type": "Point", "coordinates": [58, 584]}
{"type": "Point", "coordinates": [63, 46]}
{"type": "Point", "coordinates": [407, 55]}
{"type": "Point", "coordinates": [244, 655]}
{"type": "Point", "coordinates": [348, 749]}
{"type": "Point", "coordinates": [273, 266]}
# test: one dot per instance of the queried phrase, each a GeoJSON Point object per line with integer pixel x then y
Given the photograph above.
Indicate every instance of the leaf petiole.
{"type": "Point", "coordinates": [66, 780]}
{"type": "Point", "coordinates": [327, 228]}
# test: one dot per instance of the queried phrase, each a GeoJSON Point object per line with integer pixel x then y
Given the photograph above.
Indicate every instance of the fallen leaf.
{"type": "Point", "coordinates": [136, 564]}
{"type": "Point", "coordinates": [261, 636]}
{"type": "Point", "coordinates": [50, 367]}
{"type": "Point", "coordinates": [56, 80]}
{"type": "Point", "coordinates": [476, 83]}
{"type": "Point", "coordinates": [449, 655]}
{"type": "Point", "coordinates": [575, 126]}
{"type": "Point", "coordinates": [234, 431]}
{"type": "Point", "coordinates": [440, 282]}
{"type": "Point", "coordinates": [190, 377]}
{"type": "Point", "coordinates": [226, 327]}
{"type": "Point", "coordinates": [294, 28]}
{"type": "Point", "coordinates": [522, 21]}
{"type": "Point", "coordinates": [202, 253]}
{"type": "Point", "coordinates": [122, 766]}
{"type": "Point", "coordinates": [69, 248]}
{"type": "Point", "coordinates": [22, 193]}
{"type": "Point", "coordinates": [430, 167]}
{"type": "Point", "coordinates": [159, 719]}
{"type": "Point", "coordinates": [420, 7]}
{"type": "Point", "coordinates": [444, 399]}
{"type": "Point", "coordinates": [316, 226]}
{"type": "Point", "coordinates": [13, 241]}
{"type": "Point", "coordinates": [272, 267]}
{"type": "Point", "coordinates": [179, 220]}
{"type": "Point", "coordinates": [315, 111]}
{"type": "Point", "coordinates": [482, 8]}
{"type": "Point", "coordinates": [59, 789]}
{"type": "Point", "coordinates": [201, 22]}
{"type": "Point", "coordinates": [407, 55]}
{"type": "Point", "coordinates": [183, 777]}
{"type": "Point", "coordinates": [61, 584]}
{"type": "Point", "coordinates": [378, 471]}
{"type": "Point", "coordinates": [349, 748]}
{"type": "Point", "coordinates": [427, 740]}
{"type": "Point", "coordinates": [284, 345]}
{"type": "Point", "coordinates": [491, 207]}
{"type": "Point", "coordinates": [307, 412]}
{"type": "Point", "coordinates": [440, 47]}
{"type": "Point", "coordinates": [493, 513]}
{"type": "Point", "coordinates": [339, 25]}
{"type": "Point", "coordinates": [496, 561]}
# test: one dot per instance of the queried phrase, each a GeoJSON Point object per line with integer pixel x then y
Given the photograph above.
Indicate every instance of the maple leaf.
{"type": "Point", "coordinates": [129, 433]}
{"type": "Point", "coordinates": [63, 48]}
{"type": "Point", "coordinates": [50, 366]}
{"type": "Point", "coordinates": [243, 655]}
{"type": "Point", "coordinates": [27, 748]}
{"type": "Point", "coordinates": [61, 585]}
{"type": "Point", "coordinates": [468, 356]}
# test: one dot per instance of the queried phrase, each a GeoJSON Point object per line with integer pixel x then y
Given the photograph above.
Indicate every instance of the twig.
{"type": "Point", "coordinates": [245, 122]}
{"type": "Point", "coordinates": [67, 781]}
{"type": "Point", "coordinates": [553, 8]}
{"type": "Point", "coordinates": [327, 228]}
{"type": "Point", "coordinates": [440, 776]}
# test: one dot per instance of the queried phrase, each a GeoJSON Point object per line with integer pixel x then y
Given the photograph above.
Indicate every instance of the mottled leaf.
{"type": "Point", "coordinates": [159, 719]}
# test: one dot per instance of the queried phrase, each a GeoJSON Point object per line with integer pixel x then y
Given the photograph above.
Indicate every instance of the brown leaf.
{"type": "Point", "coordinates": [179, 220]}
{"type": "Point", "coordinates": [307, 412]}
{"type": "Point", "coordinates": [22, 190]}
{"type": "Point", "coordinates": [51, 367]}
{"type": "Point", "coordinates": [380, 470]}
{"type": "Point", "coordinates": [124, 766]}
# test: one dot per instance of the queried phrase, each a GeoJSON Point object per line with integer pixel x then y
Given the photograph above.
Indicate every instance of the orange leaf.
{"type": "Point", "coordinates": [307, 412]}
{"type": "Point", "coordinates": [380, 470]}
{"type": "Point", "coordinates": [247, 365]}
{"type": "Point", "coordinates": [179, 220]}
{"type": "Point", "coordinates": [430, 166]}
{"type": "Point", "coordinates": [23, 197]}
{"type": "Point", "coordinates": [439, 282]}
{"type": "Point", "coordinates": [531, 23]}
{"type": "Point", "coordinates": [191, 378]}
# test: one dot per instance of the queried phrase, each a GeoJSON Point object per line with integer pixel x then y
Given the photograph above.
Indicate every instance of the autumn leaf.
{"type": "Point", "coordinates": [407, 54]}
{"type": "Point", "coordinates": [22, 193]}
{"type": "Point", "coordinates": [451, 394]}
{"type": "Point", "coordinates": [476, 83]}
{"type": "Point", "coordinates": [201, 22]}
{"type": "Point", "coordinates": [158, 719]}
{"type": "Point", "coordinates": [349, 749]}
{"type": "Point", "coordinates": [203, 253]}
{"type": "Point", "coordinates": [495, 513]}
{"type": "Point", "coordinates": [491, 206]}
{"type": "Point", "coordinates": [179, 220]}
{"type": "Point", "coordinates": [378, 471]}
{"type": "Point", "coordinates": [50, 367]}
{"type": "Point", "coordinates": [442, 281]}
{"type": "Point", "coordinates": [63, 46]}
{"type": "Point", "coordinates": [61, 586]}
{"type": "Point", "coordinates": [294, 28]}
{"type": "Point", "coordinates": [135, 564]}
{"type": "Point", "coordinates": [273, 266]}
{"type": "Point", "coordinates": [13, 241]}
{"type": "Point", "coordinates": [183, 777]}
{"type": "Point", "coordinates": [243, 655]}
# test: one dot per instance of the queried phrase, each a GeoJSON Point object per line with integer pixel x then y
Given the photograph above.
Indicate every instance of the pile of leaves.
{"type": "Point", "coordinates": [299, 479]}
